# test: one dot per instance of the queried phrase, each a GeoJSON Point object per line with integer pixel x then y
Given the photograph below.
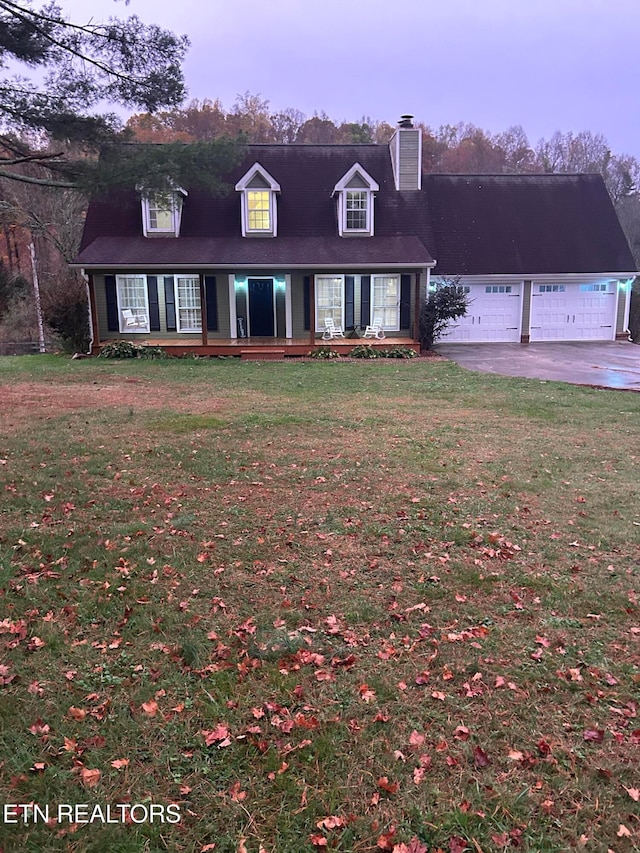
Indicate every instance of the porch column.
{"type": "Point", "coordinates": [203, 310]}
{"type": "Point", "coordinates": [312, 310]}
{"type": "Point", "coordinates": [416, 310]}
{"type": "Point", "coordinates": [95, 329]}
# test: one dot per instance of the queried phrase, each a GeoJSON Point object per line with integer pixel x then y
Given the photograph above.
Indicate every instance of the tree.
{"type": "Point", "coordinates": [123, 61]}
{"type": "Point", "coordinates": [446, 301]}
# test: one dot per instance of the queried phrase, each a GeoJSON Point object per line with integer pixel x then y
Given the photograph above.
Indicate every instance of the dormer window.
{"type": "Point", "coordinates": [355, 195]}
{"type": "Point", "coordinates": [162, 212]}
{"type": "Point", "coordinates": [259, 210]}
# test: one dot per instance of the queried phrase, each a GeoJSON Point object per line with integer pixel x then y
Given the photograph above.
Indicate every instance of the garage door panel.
{"type": "Point", "coordinates": [573, 312]}
{"type": "Point", "coordinates": [493, 315]}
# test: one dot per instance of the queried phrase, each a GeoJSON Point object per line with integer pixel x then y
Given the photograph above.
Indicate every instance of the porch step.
{"type": "Point", "coordinates": [262, 354]}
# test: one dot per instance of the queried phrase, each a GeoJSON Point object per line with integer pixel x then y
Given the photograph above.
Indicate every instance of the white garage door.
{"type": "Point", "coordinates": [493, 314]}
{"type": "Point", "coordinates": [573, 312]}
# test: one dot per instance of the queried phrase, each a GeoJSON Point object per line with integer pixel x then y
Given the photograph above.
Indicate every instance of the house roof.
{"type": "Point", "coordinates": [473, 225]}
{"type": "Point", "coordinates": [524, 224]}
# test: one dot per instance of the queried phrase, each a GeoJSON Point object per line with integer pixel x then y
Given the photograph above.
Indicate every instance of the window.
{"type": "Point", "coordinates": [357, 210]}
{"type": "Point", "coordinates": [593, 288]}
{"type": "Point", "coordinates": [329, 300]}
{"type": "Point", "coordinates": [133, 305]}
{"type": "Point", "coordinates": [385, 308]}
{"type": "Point", "coordinates": [498, 288]}
{"type": "Point", "coordinates": [259, 211]}
{"type": "Point", "coordinates": [162, 212]}
{"type": "Point", "coordinates": [355, 194]}
{"type": "Point", "coordinates": [188, 307]}
{"type": "Point", "coordinates": [551, 288]}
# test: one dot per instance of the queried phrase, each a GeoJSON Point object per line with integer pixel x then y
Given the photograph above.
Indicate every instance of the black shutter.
{"type": "Point", "coordinates": [112, 303]}
{"type": "Point", "coordinates": [211, 296]}
{"type": "Point", "coordinates": [154, 307]}
{"type": "Point", "coordinates": [306, 291]}
{"type": "Point", "coordinates": [170, 303]}
{"type": "Point", "coordinates": [365, 300]}
{"type": "Point", "coordinates": [405, 301]}
{"type": "Point", "coordinates": [349, 307]}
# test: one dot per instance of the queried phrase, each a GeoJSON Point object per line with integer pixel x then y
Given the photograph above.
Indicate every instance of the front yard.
{"type": "Point", "coordinates": [316, 606]}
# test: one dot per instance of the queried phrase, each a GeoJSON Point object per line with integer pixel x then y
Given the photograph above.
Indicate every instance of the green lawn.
{"type": "Point", "coordinates": [379, 606]}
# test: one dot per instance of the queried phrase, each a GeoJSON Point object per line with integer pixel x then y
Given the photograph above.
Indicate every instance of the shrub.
{"type": "Point", "coordinates": [364, 351]}
{"type": "Point", "coordinates": [397, 352]}
{"type": "Point", "coordinates": [119, 349]}
{"type": "Point", "coordinates": [447, 301]}
{"type": "Point", "coordinates": [152, 352]}
{"type": "Point", "coordinates": [324, 352]}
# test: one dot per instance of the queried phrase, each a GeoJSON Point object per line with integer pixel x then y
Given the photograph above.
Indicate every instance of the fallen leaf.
{"type": "Point", "coordinates": [78, 714]}
{"type": "Point", "coordinates": [623, 832]}
{"type": "Point", "coordinates": [480, 757]}
{"type": "Point", "coordinates": [150, 708]}
{"type": "Point", "coordinates": [594, 735]}
{"type": "Point", "coordinates": [386, 785]}
{"type": "Point", "coordinates": [330, 822]}
{"type": "Point", "coordinates": [90, 778]}
{"type": "Point", "coordinates": [119, 763]}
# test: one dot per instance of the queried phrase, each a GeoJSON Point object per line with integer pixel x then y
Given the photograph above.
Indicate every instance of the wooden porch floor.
{"type": "Point", "coordinates": [269, 348]}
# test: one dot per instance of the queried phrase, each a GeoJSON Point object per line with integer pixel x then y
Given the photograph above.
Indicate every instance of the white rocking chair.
{"type": "Point", "coordinates": [331, 331]}
{"type": "Point", "coordinates": [375, 330]}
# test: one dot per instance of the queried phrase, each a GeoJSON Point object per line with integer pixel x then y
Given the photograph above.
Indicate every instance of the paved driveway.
{"type": "Point", "coordinates": [603, 364]}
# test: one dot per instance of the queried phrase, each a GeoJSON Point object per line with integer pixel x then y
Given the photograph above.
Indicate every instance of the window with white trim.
{"type": "Point", "coordinates": [356, 210]}
{"type": "Point", "coordinates": [385, 301]}
{"type": "Point", "coordinates": [551, 288]}
{"type": "Point", "coordinates": [498, 288]}
{"type": "Point", "coordinates": [162, 212]}
{"type": "Point", "coordinates": [188, 306]}
{"type": "Point", "coordinates": [258, 210]}
{"type": "Point", "coordinates": [329, 300]}
{"type": "Point", "coordinates": [133, 303]}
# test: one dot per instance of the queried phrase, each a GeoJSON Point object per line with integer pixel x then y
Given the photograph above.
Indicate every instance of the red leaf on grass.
{"type": "Point", "coordinates": [594, 735]}
{"type": "Point", "coordinates": [480, 757]}
{"type": "Point", "coordinates": [386, 785]}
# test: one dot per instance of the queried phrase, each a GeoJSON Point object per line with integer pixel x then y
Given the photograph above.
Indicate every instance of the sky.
{"type": "Point", "coordinates": [547, 65]}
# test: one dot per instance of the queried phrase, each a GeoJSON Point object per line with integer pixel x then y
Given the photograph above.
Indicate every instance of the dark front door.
{"type": "Point", "coordinates": [261, 307]}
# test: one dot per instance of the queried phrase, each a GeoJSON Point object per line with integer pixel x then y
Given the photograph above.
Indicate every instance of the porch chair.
{"type": "Point", "coordinates": [331, 330]}
{"type": "Point", "coordinates": [375, 330]}
{"type": "Point", "coordinates": [133, 320]}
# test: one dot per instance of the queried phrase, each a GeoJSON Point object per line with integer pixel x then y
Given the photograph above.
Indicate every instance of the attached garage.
{"type": "Point", "coordinates": [494, 314]}
{"type": "Point", "coordinates": [573, 311]}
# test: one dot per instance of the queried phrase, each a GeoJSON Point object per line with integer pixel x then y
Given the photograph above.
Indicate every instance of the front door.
{"type": "Point", "coordinates": [261, 307]}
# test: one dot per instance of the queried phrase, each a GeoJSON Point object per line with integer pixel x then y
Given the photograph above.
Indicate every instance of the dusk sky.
{"type": "Point", "coordinates": [547, 65]}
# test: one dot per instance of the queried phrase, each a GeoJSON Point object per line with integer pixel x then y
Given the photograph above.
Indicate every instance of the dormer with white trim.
{"type": "Point", "coordinates": [259, 208]}
{"type": "Point", "coordinates": [162, 211]}
{"type": "Point", "coordinates": [355, 195]}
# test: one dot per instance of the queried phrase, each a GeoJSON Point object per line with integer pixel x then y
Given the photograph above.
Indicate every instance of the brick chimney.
{"type": "Point", "coordinates": [405, 147]}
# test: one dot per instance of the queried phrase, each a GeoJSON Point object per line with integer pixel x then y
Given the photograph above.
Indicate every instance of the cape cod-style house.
{"type": "Point", "coordinates": [353, 235]}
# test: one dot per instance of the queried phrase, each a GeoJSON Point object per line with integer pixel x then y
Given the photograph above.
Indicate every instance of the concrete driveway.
{"type": "Point", "coordinates": [609, 364]}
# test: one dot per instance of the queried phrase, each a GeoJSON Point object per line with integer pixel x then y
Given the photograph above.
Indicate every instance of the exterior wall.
{"type": "Point", "coordinates": [622, 313]}
{"type": "Point", "coordinates": [222, 332]}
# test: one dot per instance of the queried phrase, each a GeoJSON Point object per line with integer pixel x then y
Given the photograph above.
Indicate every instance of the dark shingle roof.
{"type": "Point", "coordinates": [482, 225]}
{"type": "Point", "coordinates": [307, 222]}
{"type": "Point", "coordinates": [524, 224]}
